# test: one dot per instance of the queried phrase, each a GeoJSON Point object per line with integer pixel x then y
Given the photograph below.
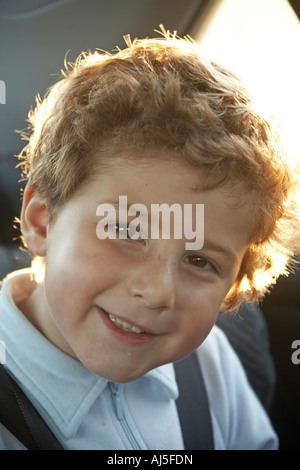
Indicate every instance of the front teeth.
{"type": "Point", "coordinates": [124, 325]}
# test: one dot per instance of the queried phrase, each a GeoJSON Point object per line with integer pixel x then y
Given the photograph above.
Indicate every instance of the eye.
{"type": "Point", "coordinates": [199, 262]}
{"type": "Point", "coordinates": [125, 232]}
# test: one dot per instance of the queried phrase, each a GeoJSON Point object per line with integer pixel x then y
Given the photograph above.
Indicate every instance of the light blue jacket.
{"type": "Point", "coordinates": [86, 411]}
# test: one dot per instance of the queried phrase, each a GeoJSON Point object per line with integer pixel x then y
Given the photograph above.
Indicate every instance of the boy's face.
{"type": "Point", "coordinates": [172, 295]}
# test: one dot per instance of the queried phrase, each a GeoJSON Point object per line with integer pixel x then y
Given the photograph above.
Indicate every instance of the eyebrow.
{"type": "Point", "coordinates": [211, 246]}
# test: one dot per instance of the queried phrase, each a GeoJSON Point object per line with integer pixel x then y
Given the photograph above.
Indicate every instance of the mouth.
{"type": "Point", "coordinates": [124, 332]}
{"type": "Point", "coordinates": [123, 325]}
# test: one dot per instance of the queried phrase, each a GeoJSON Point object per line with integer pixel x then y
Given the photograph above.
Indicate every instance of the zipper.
{"type": "Point", "coordinates": [114, 388]}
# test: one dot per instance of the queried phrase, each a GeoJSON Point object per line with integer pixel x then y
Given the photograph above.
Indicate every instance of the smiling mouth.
{"type": "Point", "coordinates": [124, 325]}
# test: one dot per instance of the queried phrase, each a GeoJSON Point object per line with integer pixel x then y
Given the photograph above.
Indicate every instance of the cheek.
{"type": "Point", "coordinates": [77, 272]}
{"type": "Point", "coordinates": [200, 323]}
{"type": "Point", "coordinates": [205, 297]}
{"type": "Point", "coordinates": [200, 312]}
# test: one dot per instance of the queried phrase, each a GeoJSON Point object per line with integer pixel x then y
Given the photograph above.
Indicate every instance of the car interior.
{"type": "Point", "coordinates": [258, 39]}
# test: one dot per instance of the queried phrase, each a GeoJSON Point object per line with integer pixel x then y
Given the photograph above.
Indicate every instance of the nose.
{"type": "Point", "coordinates": [153, 283]}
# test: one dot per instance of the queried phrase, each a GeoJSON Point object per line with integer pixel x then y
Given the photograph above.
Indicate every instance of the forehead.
{"type": "Point", "coordinates": [162, 172]}
{"type": "Point", "coordinates": [149, 171]}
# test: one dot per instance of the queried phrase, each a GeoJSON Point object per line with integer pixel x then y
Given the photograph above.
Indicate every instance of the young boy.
{"type": "Point", "coordinates": [91, 336]}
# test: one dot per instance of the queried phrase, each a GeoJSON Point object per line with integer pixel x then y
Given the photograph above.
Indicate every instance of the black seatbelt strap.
{"type": "Point", "coordinates": [192, 405]}
{"type": "Point", "coordinates": [20, 417]}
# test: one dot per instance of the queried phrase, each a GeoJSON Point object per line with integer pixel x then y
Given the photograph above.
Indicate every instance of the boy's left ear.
{"type": "Point", "coordinates": [34, 221]}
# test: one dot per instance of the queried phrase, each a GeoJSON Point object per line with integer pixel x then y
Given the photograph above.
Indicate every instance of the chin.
{"type": "Point", "coordinates": [115, 374]}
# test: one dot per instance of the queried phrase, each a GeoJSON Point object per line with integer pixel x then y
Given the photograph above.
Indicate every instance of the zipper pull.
{"type": "Point", "coordinates": [116, 399]}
